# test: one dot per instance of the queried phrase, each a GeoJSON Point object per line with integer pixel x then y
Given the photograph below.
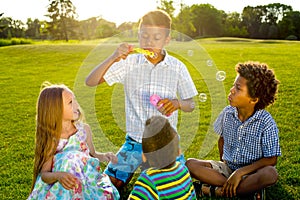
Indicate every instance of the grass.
{"type": "Point", "coordinates": [25, 67]}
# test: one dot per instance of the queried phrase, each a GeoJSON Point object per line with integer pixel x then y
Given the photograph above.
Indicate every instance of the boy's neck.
{"type": "Point", "coordinates": [244, 114]}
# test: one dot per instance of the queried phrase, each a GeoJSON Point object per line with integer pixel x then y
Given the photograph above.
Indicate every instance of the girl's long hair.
{"type": "Point", "coordinates": [48, 126]}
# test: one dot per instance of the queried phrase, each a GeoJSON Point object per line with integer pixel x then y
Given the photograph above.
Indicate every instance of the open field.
{"type": "Point", "coordinates": [23, 68]}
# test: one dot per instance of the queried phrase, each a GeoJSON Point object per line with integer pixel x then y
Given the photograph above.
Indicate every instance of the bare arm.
{"type": "Point", "coordinates": [220, 147]}
{"type": "Point", "coordinates": [109, 156]}
{"type": "Point", "coordinates": [230, 186]}
{"type": "Point", "coordinates": [67, 180]}
{"type": "Point", "coordinates": [96, 76]}
{"type": "Point", "coordinates": [169, 106]}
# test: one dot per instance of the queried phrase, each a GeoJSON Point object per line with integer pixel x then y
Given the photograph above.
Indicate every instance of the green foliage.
{"type": "Point", "coordinates": [14, 41]}
{"type": "Point", "coordinates": [25, 67]}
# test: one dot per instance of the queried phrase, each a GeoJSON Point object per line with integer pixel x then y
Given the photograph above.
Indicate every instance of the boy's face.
{"type": "Point", "coordinates": [153, 38]}
{"type": "Point", "coordinates": [238, 96]}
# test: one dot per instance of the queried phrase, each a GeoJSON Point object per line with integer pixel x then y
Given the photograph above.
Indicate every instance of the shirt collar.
{"type": "Point", "coordinates": [255, 116]}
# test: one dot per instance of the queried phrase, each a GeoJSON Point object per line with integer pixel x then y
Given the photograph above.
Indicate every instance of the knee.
{"type": "Point", "coordinates": [271, 175]}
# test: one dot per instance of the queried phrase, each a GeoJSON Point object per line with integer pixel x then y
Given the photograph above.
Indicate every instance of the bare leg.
{"type": "Point", "coordinates": [263, 178]}
{"type": "Point", "coordinates": [202, 170]}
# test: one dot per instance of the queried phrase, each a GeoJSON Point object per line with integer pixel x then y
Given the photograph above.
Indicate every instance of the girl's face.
{"type": "Point", "coordinates": [71, 107]}
{"type": "Point", "coordinates": [238, 96]}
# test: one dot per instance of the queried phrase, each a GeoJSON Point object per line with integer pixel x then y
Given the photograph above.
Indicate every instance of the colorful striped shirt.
{"type": "Point", "coordinates": [171, 183]}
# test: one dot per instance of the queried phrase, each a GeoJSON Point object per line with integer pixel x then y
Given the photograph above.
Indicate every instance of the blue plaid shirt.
{"type": "Point", "coordinates": [249, 141]}
{"type": "Point", "coordinates": [141, 79]}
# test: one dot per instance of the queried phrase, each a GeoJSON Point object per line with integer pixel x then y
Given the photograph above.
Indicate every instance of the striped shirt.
{"type": "Point", "coordinates": [141, 79]}
{"type": "Point", "coordinates": [249, 141]}
{"type": "Point", "coordinates": [171, 183]}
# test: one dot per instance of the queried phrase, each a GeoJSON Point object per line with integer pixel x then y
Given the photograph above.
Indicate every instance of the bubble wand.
{"type": "Point", "coordinates": [145, 52]}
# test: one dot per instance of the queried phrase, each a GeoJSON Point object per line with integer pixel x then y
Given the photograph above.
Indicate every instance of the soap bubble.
{"type": "Point", "coordinates": [190, 52]}
{"type": "Point", "coordinates": [221, 75]}
{"type": "Point", "coordinates": [210, 63]}
{"type": "Point", "coordinates": [202, 97]}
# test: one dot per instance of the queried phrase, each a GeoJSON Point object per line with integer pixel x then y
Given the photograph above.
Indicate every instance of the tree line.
{"type": "Point", "coordinates": [272, 21]}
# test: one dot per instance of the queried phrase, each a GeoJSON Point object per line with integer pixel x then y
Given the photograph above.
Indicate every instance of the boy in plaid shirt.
{"type": "Point", "coordinates": [249, 141]}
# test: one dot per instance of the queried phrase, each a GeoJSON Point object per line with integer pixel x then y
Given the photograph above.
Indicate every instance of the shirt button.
{"type": "Point", "coordinates": [234, 160]}
{"type": "Point", "coordinates": [237, 149]}
{"type": "Point", "coordinates": [239, 138]}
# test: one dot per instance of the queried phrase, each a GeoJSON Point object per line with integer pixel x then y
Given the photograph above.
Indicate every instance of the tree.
{"type": "Point", "coordinates": [168, 7]}
{"type": "Point", "coordinates": [63, 19]}
{"type": "Point", "coordinates": [207, 20]}
{"type": "Point", "coordinates": [290, 25]}
{"type": "Point", "coordinates": [33, 28]}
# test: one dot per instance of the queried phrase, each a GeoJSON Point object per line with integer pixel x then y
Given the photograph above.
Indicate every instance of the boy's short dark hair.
{"type": "Point", "coordinates": [261, 82]}
{"type": "Point", "coordinates": [158, 18]}
{"type": "Point", "coordinates": [160, 142]}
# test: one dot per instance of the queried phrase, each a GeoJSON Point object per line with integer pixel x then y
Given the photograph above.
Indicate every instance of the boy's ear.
{"type": "Point", "coordinates": [144, 157]}
{"type": "Point", "coordinates": [168, 39]}
{"type": "Point", "coordinates": [254, 100]}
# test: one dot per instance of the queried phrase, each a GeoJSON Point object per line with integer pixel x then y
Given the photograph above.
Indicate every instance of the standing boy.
{"type": "Point", "coordinates": [249, 141]}
{"type": "Point", "coordinates": [143, 76]}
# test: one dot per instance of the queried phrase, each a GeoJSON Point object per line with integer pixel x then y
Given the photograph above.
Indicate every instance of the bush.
{"type": "Point", "coordinates": [291, 37]}
{"type": "Point", "coordinates": [14, 41]}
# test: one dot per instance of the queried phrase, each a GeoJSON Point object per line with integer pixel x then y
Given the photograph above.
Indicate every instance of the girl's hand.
{"type": "Point", "coordinates": [67, 180]}
{"type": "Point", "coordinates": [122, 51]}
{"type": "Point", "coordinates": [108, 157]}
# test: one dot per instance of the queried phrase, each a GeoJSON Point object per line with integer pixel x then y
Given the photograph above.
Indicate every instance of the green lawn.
{"type": "Point", "coordinates": [23, 68]}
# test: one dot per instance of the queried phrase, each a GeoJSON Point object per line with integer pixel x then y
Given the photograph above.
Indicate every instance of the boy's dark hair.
{"type": "Point", "coordinates": [160, 142]}
{"type": "Point", "coordinates": [156, 18]}
{"type": "Point", "coordinates": [261, 82]}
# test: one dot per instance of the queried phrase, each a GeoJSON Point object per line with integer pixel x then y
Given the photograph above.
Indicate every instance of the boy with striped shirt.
{"type": "Point", "coordinates": [166, 178]}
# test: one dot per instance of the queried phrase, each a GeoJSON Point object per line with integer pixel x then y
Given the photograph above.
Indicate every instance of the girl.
{"type": "Point", "coordinates": [66, 165]}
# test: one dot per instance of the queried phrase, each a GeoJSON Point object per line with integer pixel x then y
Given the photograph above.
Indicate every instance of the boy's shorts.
{"type": "Point", "coordinates": [129, 159]}
{"type": "Point", "coordinates": [221, 167]}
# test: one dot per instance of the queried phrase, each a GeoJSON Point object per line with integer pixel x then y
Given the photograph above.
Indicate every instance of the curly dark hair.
{"type": "Point", "coordinates": [261, 82]}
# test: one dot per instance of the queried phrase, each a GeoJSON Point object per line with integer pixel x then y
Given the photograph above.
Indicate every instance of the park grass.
{"type": "Point", "coordinates": [23, 68]}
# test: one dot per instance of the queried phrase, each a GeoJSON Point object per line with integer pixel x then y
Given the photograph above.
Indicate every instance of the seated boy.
{"type": "Point", "coordinates": [248, 143]}
{"type": "Point", "coordinates": [166, 178]}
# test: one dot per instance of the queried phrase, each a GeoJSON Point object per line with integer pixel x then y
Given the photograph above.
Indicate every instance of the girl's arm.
{"type": "Point", "coordinates": [101, 156]}
{"type": "Point", "coordinates": [67, 180]}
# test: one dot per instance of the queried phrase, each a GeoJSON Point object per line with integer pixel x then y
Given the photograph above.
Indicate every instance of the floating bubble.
{"type": "Point", "coordinates": [210, 63]}
{"type": "Point", "coordinates": [190, 52]}
{"type": "Point", "coordinates": [202, 97]}
{"type": "Point", "coordinates": [221, 75]}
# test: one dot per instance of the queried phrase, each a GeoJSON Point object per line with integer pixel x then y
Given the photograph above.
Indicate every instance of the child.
{"type": "Point", "coordinates": [166, 178]}
{"type": "Point", "coordinates": [249, 142]}
{"type": "Point", "coordinates": [66, 165]}
{"type": "Point", "coordinates": [144, 76]}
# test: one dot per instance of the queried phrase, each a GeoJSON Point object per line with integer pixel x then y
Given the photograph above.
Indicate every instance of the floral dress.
{"type": "Point", "coordinates": [72, 156]}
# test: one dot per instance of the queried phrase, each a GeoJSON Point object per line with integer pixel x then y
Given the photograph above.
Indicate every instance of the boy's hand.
{"type": "Point", "coordinates": [67, 180]}
{"type": "Point", "coordinates": [122, 51]}
{"type": "Point", "coordinates": [230, 186]}
{"type": "Point", "coordinates": [167, 106]}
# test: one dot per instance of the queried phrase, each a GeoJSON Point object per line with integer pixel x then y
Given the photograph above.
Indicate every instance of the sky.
{"type": "Point", "coordinates": [120, 11]}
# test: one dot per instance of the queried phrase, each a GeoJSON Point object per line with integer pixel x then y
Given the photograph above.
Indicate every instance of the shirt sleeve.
{"type": "Point", "coordinates": [186, 86]}
{"type": "Point", "coordinates": [270, 139]}
{"type": "Point", "coordinates": [143, 189]}
{"type": "Point", "coordinates": [115, 74]}
{"type": "Point", "coordinates": [218, 125]}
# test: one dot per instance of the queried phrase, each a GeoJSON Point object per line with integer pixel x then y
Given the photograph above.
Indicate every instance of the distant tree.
{"type": "Point", "coordinates": [63, 19]}
{"type": "Point", "coordinates": [183, 22]}
{"type": "Point", "coordinates": [290, 25]}
{"type": "Point", "coordinates": [33, 28]}
{"type": "Point", "coordinates": [168, 7]}
{"type": "Point", "coordinates": [233, 26]}
{"type": "Point", "coordinates": [207, 20]}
